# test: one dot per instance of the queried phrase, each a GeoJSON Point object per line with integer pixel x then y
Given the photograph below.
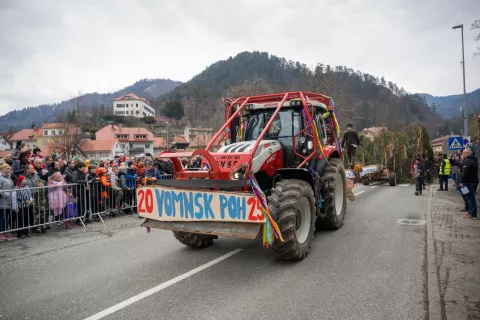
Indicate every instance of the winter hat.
{"type": "Point", "coordinates": [19, 180]}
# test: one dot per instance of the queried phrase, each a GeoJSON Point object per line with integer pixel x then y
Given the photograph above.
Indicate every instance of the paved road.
{"type": "Point", "coordinates": [372, 268]}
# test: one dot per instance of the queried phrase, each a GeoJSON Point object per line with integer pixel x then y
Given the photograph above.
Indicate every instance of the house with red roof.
{"type": "Point", "coordinates": [133, 141]}
{"type": "Point", "coordinates": [131, 105]}
{"type": "Point", "coordinates": [102, 149]}
{"type": "Point", "coordinates": [29, 136]}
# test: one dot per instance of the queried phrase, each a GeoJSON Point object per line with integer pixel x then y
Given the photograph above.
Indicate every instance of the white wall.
{"type": "Point", "coordinates": [132, 108]}
{"type": "Point", "coordinates": [4, 145]}
{"type": "Point", "coordinates": [96, 155]}
{"type": "Point", "coordinates": [143, 145]}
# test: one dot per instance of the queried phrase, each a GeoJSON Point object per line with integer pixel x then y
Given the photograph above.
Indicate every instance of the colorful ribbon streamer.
{"type": "Point", "coordinates": [270, 227]}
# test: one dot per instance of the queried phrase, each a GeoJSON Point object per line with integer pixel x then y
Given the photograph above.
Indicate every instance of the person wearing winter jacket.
{"type": "Point", "coordinates": [69, 172]}
{"type": "Point", "coordinates": [6, 213]}
{"type": "Point", "coordinates": [93, 191]}
{"type": "Point", "coordinates": [470, 181]}
{"type": "Point", "coordinates": [117, 190]}
{"type": "Point", "coordinates": [153, 172]}
{"type": "Point", "coordinates": [79, 177]}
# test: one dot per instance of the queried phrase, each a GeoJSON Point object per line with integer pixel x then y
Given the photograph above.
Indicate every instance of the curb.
{"type": "Point", "coordinates": [433, 284]}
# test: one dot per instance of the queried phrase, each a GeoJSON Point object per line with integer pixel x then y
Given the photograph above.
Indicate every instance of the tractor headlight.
{"type": "Point", "coordinates": [302, 139]}
{"type": "Point", "coordinates": [239, 173]}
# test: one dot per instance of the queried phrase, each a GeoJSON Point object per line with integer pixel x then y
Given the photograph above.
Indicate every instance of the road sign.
{"type": "Point", "coordinates": [455, 143]}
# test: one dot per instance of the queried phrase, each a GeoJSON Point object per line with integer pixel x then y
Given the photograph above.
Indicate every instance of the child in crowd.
{"type": "Point", "coordinates": [152, 172]}
{"type": "Point", "coordinates": [57, 198]}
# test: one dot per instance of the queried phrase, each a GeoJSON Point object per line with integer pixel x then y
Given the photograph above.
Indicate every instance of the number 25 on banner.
{"type": "Point", "coordinates": [147, 197]}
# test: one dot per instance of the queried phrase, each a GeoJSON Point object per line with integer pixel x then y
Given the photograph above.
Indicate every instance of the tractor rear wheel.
{"type": "Point", "coordinates": [293, 204]}
{"type": "Point", "coordinates": [335, 198]}
{"type": "Point", "coordinates": [194, 240]}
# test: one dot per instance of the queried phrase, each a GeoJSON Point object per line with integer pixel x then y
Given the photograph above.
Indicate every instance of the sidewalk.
{"type": "Point", "coordinates": [453, 254]}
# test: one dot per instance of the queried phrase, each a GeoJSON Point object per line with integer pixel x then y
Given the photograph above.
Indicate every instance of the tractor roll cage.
{"type": "Point", "coordinates": [274, 98]}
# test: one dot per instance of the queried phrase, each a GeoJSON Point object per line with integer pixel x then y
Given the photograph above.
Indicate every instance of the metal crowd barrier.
{"type": "Point", "coordinates": [103, 200]}
{"type": "Point", "coordinates": [39, 207]}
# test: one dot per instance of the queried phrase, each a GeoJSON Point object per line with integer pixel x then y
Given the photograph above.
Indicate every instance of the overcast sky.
{"type": "Point", "coordinates": [49, 50]}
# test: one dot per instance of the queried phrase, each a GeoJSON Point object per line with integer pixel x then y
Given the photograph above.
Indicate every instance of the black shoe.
{"type": "Point", "coordinates": [416, 193]}
{"type": "Point", "coordinates": [22, 236]}
{"type": "Point", "coordinates": [440, 190]}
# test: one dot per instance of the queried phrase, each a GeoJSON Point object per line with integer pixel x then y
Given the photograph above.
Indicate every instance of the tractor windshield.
{"type": "Point", "coordinates": [287, 123]}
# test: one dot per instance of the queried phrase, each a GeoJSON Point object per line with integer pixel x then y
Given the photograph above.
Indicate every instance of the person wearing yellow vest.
{"type": "Point", "coordinates": [444, 173]}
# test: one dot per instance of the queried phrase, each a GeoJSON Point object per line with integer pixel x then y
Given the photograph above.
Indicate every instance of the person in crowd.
{"type": "Point", "coordinates": [127, 182]}
{"type": "Point", "coordinates": [31, 176]}
{"type": "Point", "coordinates": [57, 198]}
{"type": "Point", "coordinates": [40, 169]}
{"type": "Point", "coordinates": [37, 153]}
{"type": "Point", "coordinates": [351, 140]}
{"type": "Point", "coordinates": [19, 164]}
{"type": "Point", "coordinates": [197, 163]}
{"type": "Point", "coordinates": [24, 198]}
{"type": "Point", "coordinates": [93, 191]}
{"type": "Point", "coordinates": [444, 173]}
{"type": "Point", "coordinates": [418, 174]}
{"type": "Point", "coordinates": [16, 151]}
{"type": "Point", "coordinates": [152, 171]}
{"type": "Point", "coordinates": [9, 160]}
{"type": "Point", "coordinates": [79, 177]}
{"type": "Point", "coordinates": [469, 180]}
{"type": "Point", "coordinates": [140, 168]}
{"type": "Point", "coordinates": [459, 164]}
{"type": "Point", "coordinates": [427, 166]}
{"type": "Point", "coordinates": [42, 214]}
{"type": "Point", "coordinates": [69, 172]}
{"type": "Point", "coordinates": [53, 167]}
{"type": "Point", "coordinates": [6, 213]}
{"type": "Point", "coordinates": [117, 191]}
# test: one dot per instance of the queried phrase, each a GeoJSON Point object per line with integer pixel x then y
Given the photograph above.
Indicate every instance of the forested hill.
{"type": "Point", "coordinates": [147, 88]}
{"type": "Point", "coordinates": [361, 98]}
{"type": "Point", "coordinates": [449, 106]}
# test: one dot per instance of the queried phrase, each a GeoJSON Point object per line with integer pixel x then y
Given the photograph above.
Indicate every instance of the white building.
{"type": "Point", "coordinates": [133, 141]}
{"type": "Point", "coordinates": [102, 149]}
{"type": "Point", "coordinates": [130, 105]}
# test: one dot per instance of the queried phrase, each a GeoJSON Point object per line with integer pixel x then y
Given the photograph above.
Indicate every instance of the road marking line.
{"type": "Point", "coordinates": [160, 287]}
{"type": "Point", "coordinates": [373, 187]}
{"type": "Point", "coordinates": [355, 194]}
{"type": "Point", "coordinates": [404, 185]}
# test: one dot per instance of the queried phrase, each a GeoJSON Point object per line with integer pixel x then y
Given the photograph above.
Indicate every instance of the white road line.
{"type": "Point", "coordinates": [358, 193]}
{"type": "Point", "coordinates": [160, 287]}
{"type": "Point", "coordinates": [373, 187]}
{"type": "Point", "coordinates": [404, 185]}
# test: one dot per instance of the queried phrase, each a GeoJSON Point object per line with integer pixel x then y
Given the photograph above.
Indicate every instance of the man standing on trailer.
{"type": "Point", "coordinates": [350, 138]}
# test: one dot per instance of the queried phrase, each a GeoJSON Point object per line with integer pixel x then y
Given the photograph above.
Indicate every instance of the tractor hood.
{"type": "Point", "coordinates": [246, 146]}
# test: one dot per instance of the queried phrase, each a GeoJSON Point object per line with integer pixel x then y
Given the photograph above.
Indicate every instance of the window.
{"type": "Point", "coordinates": [121, 105]}
{"type": "Point", "coordinates": [137, 105]}
{"type": "Point", "coordinates": [123, 146]}
{"type": "Point", "coordinates": [53, 132]}
{"type": "Point", "coordinates": [45, 133]}
{"type": "Point", "coordinates": [122, 136]}
{"type": "Point", "coordinates": [147, 146]}
{"type": "Point", "coordinates": [138, 112]}
{"type": "Point", "coordinates": [140, 136]}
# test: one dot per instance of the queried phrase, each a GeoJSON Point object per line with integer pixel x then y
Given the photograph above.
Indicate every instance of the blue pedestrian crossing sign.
{"type": "Point", "coordinates": [455, 143]}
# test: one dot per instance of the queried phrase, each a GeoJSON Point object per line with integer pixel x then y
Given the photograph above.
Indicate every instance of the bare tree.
{"type": "Point", "coordinates": [70, 142]}
{"type": "Point", "coordinates": [77, 102]}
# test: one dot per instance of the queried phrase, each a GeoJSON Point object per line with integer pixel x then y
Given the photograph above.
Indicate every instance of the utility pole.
{"type": "Point", "coordinates": [464, 109]}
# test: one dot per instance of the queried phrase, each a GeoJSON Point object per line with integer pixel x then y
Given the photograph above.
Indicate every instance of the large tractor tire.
{"type": "Point", "coordinates": [293, 204]}
{"type": "Point", "coordinates": [336, 201]}
{"type": "Point", "coordinates": [392, 179]}
{"type": "Point", "coordinates": [194, 240]}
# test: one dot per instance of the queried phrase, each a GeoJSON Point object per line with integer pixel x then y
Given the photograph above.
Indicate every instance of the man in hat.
{"type": "Point", "coordinates": [351, 141]}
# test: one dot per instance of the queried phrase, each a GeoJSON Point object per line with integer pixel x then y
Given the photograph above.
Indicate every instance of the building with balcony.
{"type": "Point", "coordinates": [131, 105]}
{"type": "Point", "coordinates": [133, 141]}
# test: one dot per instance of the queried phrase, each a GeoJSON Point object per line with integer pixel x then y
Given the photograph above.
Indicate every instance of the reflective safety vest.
{"type": "Point", "coordinates": [447, 167]}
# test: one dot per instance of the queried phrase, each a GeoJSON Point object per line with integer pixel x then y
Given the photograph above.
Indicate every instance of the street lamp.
{"type": "Point", "coordinates": [465, 118]}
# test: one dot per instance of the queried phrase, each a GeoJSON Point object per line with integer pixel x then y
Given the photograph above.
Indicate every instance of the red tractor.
{"type": "Point", "coordinates": [277, 168]}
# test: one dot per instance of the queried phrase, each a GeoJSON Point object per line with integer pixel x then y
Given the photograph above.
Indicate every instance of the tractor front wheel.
{"type": "Point", "coordinates": [335, 198]}
{"type": "Point", "coordinates": [293, 204]}
{"type": "Point", "coordinates": [194, 240]}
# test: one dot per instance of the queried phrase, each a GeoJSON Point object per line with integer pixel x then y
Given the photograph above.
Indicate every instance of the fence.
{"type": "Point", "coordinates": [24, 208]}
